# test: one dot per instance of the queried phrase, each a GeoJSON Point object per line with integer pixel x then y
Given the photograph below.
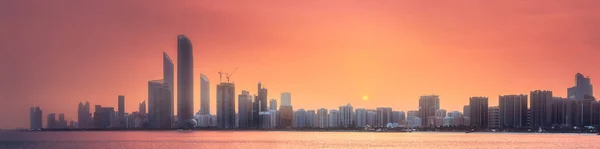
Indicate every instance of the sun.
{"type": "Point", "coordinates": [365, 97]}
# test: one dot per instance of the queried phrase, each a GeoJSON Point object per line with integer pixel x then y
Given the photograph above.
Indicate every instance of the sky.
{"type": "Point", "coordinates": [327, 53]}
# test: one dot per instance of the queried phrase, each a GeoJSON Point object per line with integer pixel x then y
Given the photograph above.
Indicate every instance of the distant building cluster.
{"type": "Point", "coordinates": [254, 111]}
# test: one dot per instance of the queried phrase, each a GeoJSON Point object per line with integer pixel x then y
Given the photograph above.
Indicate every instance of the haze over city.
{"type": "Point", "coordinates": [326, 53]}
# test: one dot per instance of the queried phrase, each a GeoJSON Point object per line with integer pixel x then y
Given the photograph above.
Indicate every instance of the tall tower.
{"type": "Point", "coordinates": [168, 75]}
{"type": "Point", "coordinates": [204, 95]}
{"type": "Point", "coordinates": [479, 111]}
{"type": "Point", "coordinates": [185, 80]}
{"type": "Point", "coordinates": [159, 102]}
{"type": "Point", "coordinates": [273, 104]}
{"type": "Point", "coordinates": [226, 105]}
{"type": "Point", "coordinates": [286, 99]}
{"type": "Point", "coordinates": [121, 114]}
{"type": "Point", "coordinates": [427, 107]}
{"type": "Point", "coordinates": [540, 108]}
{"type": "Point", "coordinates": [583, 87]}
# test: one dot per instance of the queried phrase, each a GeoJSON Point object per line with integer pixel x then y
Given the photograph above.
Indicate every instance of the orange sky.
{"type": "Point", "coordinates": [327, 53]}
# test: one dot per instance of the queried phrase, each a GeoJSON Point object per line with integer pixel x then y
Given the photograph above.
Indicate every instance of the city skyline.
{"type": "Point", "coordinates": [382, 53]}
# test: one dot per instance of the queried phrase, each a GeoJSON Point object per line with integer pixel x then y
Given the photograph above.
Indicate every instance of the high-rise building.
{"type": "Point", "coordinates": [244, 109]}
{"type": "Point", "coordinates": [204, 95]}
{"type": "Point", "coordinates": [346, 116]}
{"type": "Point", "coordinates": [467, 110]}
{"type": "Point", "coordinates": [103, 116]}
{"type": "Point", "coordinates": [142, 108]}
{"type": "Point", "coordinates": [285, 116]}
{"type": "Point", "coordinates": [311, 119]}
{"type": "Point", "coordinates": [226, 105]}
{"type": "Point", "coordinates": [372, 118]}
{"type": "Point", "coordinates": [513, 111]}
{"type": "Point", "coordinates": [35, 118]}
{"type": "Point", "coordinates": [259, 105]}
{"type": "Point", "coordinates": [558, 116]}
{"type": "Point", "coordinates": [121, 113]}
{"type": "Point", "coordinates": [62, 122]}
{"type": "Point", "coordinates": [185, 80]}
{"type": "Point", "coordinates": [414, 113]}
{"type": "Point", "coordinates": [479, 111]}
{"type": "Point", "coordinates": [159, 104]}
{"type": "Point", "coordinates": [299, 119]}
{"type": "Point", "coordinates": [273, 104]}
{"type": "Point", "coordinates": [494, 117]}
{"type": "Point", "coordinates": [361, 117]}
{"type": "Point", "coordinates": [427, 106]}
{"type": "Point", "coordinates": [168, 77]}
{"type": "Point", "coordinates": [322, 118]}
{"type": "Point", "coordinates": [333, 118]}
{"type": "Point", "coordinates": [582, 88]}
{"type": "Point", "coordinates": [581, 112]}
{"type": "Point", "coordinates": [440, 113]}
{"type": "Point", "coordinates": [413, 119]}
{"type": "Point", "coordinates": [51, 122]}
{"type": "Point", "coordinates": [384, 116]}
{"type": "Point", "coordinates": [84, 116]}
{"type": "Point", "coordinates": [286, 99]}
{"type": "Point", "coordinates": [540, 108]}
{"type": "Point", "coordinates": [398, 117]}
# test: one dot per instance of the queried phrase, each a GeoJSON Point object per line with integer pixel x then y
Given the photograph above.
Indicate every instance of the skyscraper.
{"type": "Point", "coordinates": [285, 116]}
{"type": "Point", "coordinates": [168, 77]}
{"type": "Point", "coordinates": [540, 108]}
{"type": "Point", "coordinates": [513, 111]}
{"type": "Point", "coordinates": [398, 117]}
{"type": "Point", "coordinates": [384, 116]}
{"type": "Point", "coordinates": [582, 88]}
{"type": "Point", "coordinates": [121, 114]}
{"type": "Point", "coordinates": [311, 119]}
{"type": "Point", "coordinates": [51, 121]}
{"type": "Point", "coordinates": [35, 118]}
{"type": "Point", "coordinates": [361, 117]}
{"type": "Point", "coordinates": [103, 116]}
{"type": "Point", "coordinates": [333, 118]}
{"type": "Point", "coordinates": [273, 104]}
{"type": "Point", "coordinates": [372, 118]}
{"type": "Point", "coordinates": [142, 108]}
{"type": "Point", "coordinates": [84, 116]}
{"type": "Point", "coordinates": [159, 104]}
{"type": "Point", "coordinates": [286, 99]}
{"type": "Point", "coordinates": [427, 107]}
{"type": "Point", "coordinates": [259, 105]}
{"type": "Point", "coordinates": [322, 118]}
{"type": "Point", "coordinates": [494, 117]}
{"type": "Point", "coordinates": [299, 119]}
{"type": "Point", "coordinates": [61, 123]}
{"type": "Point", "coordinates": [479, 111]}
{"type": "Point", "coordinates": [559, 111]}
{"type": "Point", "coordinates": [204, 95]}
{"type": "Point", "coordinates": [244, 109]}
{"type": "Point", "coordinates": [467, 111]}
{"type": "Point", "coordinates": [226, 105]}
{"type": "Point", "coordinates": [440, 113]}
{"type": "Point", "coordinates": [346, 115]}
{"type": "Point", "coordinates": [185, 80]}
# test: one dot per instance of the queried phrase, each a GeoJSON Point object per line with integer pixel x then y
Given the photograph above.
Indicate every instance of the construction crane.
{"type": "Point", "coordinates": [220, 73]}
{"type": "Point", "coordinates": [229, 75]}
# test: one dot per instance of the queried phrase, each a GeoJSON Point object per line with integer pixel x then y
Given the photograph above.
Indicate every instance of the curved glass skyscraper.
{"type": "Point", "coordinates": [185, 80]}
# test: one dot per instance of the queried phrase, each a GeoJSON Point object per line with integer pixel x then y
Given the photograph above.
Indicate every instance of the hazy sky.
{"type": "Point", "coordinates": [328, 53]}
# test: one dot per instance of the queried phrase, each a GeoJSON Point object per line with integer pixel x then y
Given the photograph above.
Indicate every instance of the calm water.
{"type": "Point", "coordinates": [290, 140]}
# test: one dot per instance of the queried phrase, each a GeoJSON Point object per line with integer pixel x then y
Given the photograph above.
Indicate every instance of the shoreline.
{"type": "Point", "coordinates": [302, 130]}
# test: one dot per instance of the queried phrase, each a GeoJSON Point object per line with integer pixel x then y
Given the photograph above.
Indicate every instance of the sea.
{"type": "Point", "coordinates": [291, 140]}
